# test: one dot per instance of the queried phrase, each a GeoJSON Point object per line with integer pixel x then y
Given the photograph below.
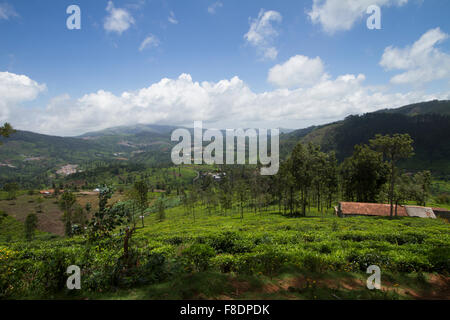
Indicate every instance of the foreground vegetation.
{"type": "Point", "coordinates": [318, 257]}
{"type": "Point", "coordinates": [227, 232]}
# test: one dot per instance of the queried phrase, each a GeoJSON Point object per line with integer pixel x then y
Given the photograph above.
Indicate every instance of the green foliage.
{"type": "Point", "coordinates": [11, 189]}
{"type": "Point", "coordinates": [6, 130]}
{"type": "Point", "coordinates": [363, 174]}
{"type": "Point", "coordinates": [66, 202]}
{"type": "Point", "coordinates": [107, 218]}
{"type": "Point", "coordinates": [198, 256]}
{"type": "Point", "coordinates": [30, 226]}
{"type": "Point", "coordinates": [161, 207]}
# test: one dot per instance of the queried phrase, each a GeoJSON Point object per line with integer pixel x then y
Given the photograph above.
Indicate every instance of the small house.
{"type": "Point", "coordinates": [347, 209]}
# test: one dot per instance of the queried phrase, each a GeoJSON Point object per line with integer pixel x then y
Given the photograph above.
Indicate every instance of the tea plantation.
{"type": "Point", "coordinates": [263, 255]}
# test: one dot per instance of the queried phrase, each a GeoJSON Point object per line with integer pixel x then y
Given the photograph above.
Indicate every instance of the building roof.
{"type": "Point", "coordinates": [422, 212]}
{"type": "Point", "coordinates": [51, 191]}
{"type": "Point", "coordinates": [370, 209]}
{"type": "Point", "coordinates": [440, 210]}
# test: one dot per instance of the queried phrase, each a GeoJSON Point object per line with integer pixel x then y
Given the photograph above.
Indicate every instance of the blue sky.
{"type": "Point", "coordinates": [266, 63]}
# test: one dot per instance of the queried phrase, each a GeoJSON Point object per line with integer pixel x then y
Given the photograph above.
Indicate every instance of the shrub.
{"type": "Point", "coordinates": [199, 255]}
{"type": "Point", "coordinates": [224, 262]}
{"type": "Point", "coordinates": [230, 242]}
{"type": "Point", "coordinates": [439, 258]}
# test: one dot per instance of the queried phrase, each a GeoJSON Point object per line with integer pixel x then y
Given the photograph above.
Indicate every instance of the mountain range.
{"type": "Point", "coordinates": [26, 154]}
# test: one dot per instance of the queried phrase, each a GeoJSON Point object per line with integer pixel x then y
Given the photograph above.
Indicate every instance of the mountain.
{"type": "Point", "coordinates": [30, 158]}
{"type": "Point", "coordinates": [33, 159]}
{"type": "Point", "coordinates": [428, 123]}
{"type": "Point", "coordinates": [131, 130]}
{"type": "Point", "coordinates": [430, 107]}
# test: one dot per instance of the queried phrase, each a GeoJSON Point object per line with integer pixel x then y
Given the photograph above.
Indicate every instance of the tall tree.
{"type": "Point", "coordinates": [363, 174]}
{"type": "Point", "coordinates": [66, 203]}
{"type": "Point", "coordinates": [30, 226]}
{"type": "Point", "coordinates": [302, 165]}
{"type": "Point", "coordinates": [141, 191]}
{"type": "Point", "coordinates": [394, 148]}
{"type": "Point", "coordinates": [6, 131]}
{"type": "Point", "coordinates": [12, 189]}
{"type": "Point", "coordinates": [422, 182]}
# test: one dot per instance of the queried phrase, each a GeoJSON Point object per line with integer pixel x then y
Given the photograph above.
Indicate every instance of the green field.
{"type": "Point", "coordinates": [262, 256]}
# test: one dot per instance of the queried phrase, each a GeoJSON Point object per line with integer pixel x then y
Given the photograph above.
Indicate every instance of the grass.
{"type": "Point", "coordinates": [273, 257]}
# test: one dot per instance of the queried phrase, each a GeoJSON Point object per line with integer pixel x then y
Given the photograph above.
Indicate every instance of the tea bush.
{"type": "Point", "coordinates": [256, 245]}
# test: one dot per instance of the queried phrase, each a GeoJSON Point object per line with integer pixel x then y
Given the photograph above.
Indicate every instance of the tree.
{"type": "Point", "coordinates": [66, 203]}
{"type": "Point", "coordinates": [402, 190]}
{"type": "Point", "coordinates": [394, 148]}
{"type": "Point", "coordinates": [161, 207]}
{"type": "Point", "coordinates": [12, 189]}
{"type": "Point", "coordinates": [331, 178]}
{"type": "Point", "coordinates": [422, 181]}
{"type": "Point", "coordinates": [302, 164]}
{"type": "Point", "coordinates": [104, 220]}
{"type": "Point", "coordinates": [30, 226]}
{"type": "Point", "coordinates": [6, 131]}
{"type": "Point", "coordinates": [241, 190]}
{"type": "Point", "coordinates": [141, 196]}
{"type": "Point", "coordinates": [363, 174]}
{"type": "Point", "coordinates": [39, 201]}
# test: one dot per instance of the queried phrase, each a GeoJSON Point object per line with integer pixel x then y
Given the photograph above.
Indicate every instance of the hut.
{"type": "Point", "coordinates": [346, 209]}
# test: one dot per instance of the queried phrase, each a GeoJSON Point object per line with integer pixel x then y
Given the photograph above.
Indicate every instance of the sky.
{"type": "Point", "coordinates": [228, 63]}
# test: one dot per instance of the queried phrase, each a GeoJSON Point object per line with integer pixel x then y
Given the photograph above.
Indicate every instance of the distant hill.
{"type": "Point", "coordinates": [29, 157]}
{"type": "Point", "coordinates": [131, 130]}
{"type": "Point", "coordinates": [32, 159]}
{"type": "Point", "coordinates": [430, 107]}
{"type": "Point", "coordinates": [428, 123]}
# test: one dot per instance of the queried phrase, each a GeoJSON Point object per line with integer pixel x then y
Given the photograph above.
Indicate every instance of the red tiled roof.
{"type": "Point", "coordinates": [440, 209]}
{"type": "Point", "coordinates": [370, 209]}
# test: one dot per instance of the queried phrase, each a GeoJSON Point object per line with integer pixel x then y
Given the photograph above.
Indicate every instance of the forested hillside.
{"type": "Point", "coordinates": [33, 159]}
{"type": "Point", "coordinates": [428, 124]}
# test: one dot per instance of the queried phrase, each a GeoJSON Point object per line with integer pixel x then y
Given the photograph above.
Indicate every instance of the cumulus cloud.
{"type": "Point", "coordinates": [262, 33]}
{"type": "Point", "coordinates": [15, 89]}
{"type": "Point", "coordinates": [172, 19]}
{"type": "Point", "coordinates": [341, 15]}
{"type": "Point", "coordinates": [118, 20]}
{"type": "Point", "coordinates": [422, 61]}
{"type": "Point", "coordinates": [298, 71]}
{"type": "Point", "coordinates": [151, 41]}
{"type": "Point", "coordinates": [226, 103]}
{"type": "Point", "coordinates": [7, 11]}
{"type": "Point", "coordinates": [212, 9]}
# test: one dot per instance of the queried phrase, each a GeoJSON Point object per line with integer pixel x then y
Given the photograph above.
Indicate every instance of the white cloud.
{"type": "Point", "coordinates": [7, 11]}
{"type": "Point", "coordinates": [422, 61]}
{"type": "Point", "coordinates": [227, 103]}
{"type": "Point", "coordinates": [172, 19]}
{"type": "Point", "coordinates": [118, 20]}
{"type": "Point", "coordinates": [298, 71]}
{"type": "Point", "coordinates": [212, 9]}
{"type": "Point", "coordinates": [151, 41]}
{"type": "Point", "coordinates": [15, 89]}
{"type": "Point", "coordinates": [262, 33]}
{"type": "Point", "coordinates": [341, 15]}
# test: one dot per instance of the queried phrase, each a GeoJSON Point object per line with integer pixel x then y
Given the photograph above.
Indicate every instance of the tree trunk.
{"type": "Point", "coordinates": [126, 239]}
{"type": "Point", "coordinates": [391, 196]}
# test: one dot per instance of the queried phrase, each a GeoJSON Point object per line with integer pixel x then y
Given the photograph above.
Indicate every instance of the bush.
{"type": "Point", "coordinates": [224, 262]}
{"type": "Point", "coordinates": [439, 258]}
{"type": "Point", "coordinates": [230, 242]}
{"type": "Point", "coordinates": [199, 255]}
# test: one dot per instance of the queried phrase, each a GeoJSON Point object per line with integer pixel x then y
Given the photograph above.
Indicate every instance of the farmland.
{"type": "Point", "coordinates": [151, 230]}
{"type": "Point", "coordinates": [265, 255]}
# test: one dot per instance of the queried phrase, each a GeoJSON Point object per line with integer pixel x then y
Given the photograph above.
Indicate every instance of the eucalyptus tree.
{"type": "Point", "coordinates": [394, 149]}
